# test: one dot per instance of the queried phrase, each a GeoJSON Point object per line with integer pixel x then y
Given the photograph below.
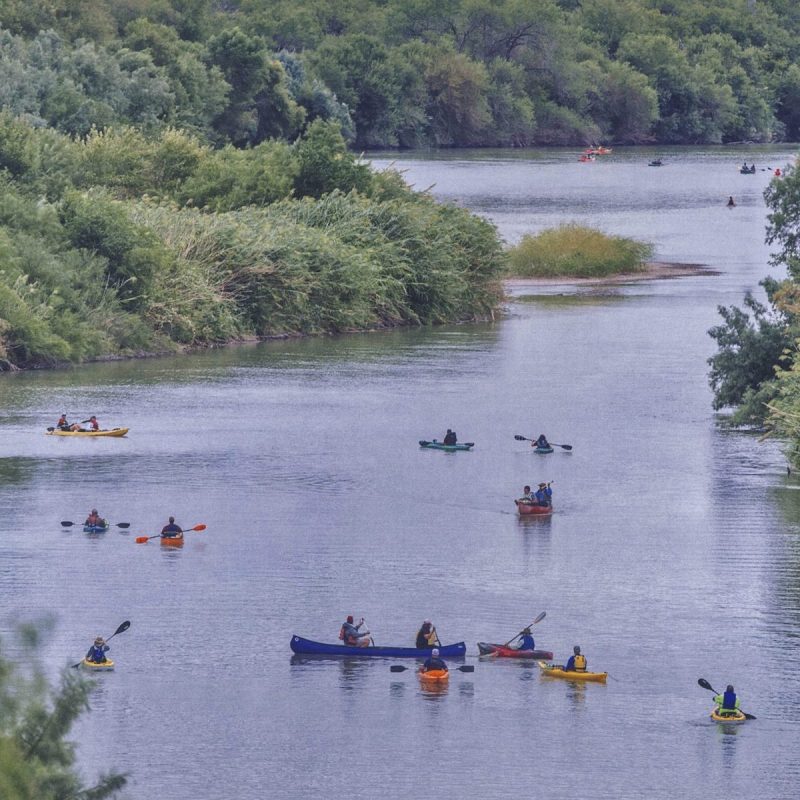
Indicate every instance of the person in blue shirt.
{"type": "Point", "coordinates": [97, 652]}
{"type": "Point", "coordinates": [727, 703]}
{"type": "Point", "coordinates": [576, 662]}
{"type": "Point", "coordinates": [543, 495]}
{"type": "Point", "coordinates": [526, 641]}
{"type": "Point", "coordinates": [171, 530]}
{"type": "Point", "coordinates": [434, 662]}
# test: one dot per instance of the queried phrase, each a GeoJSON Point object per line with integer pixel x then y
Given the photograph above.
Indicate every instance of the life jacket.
{"type": "Point", "coordinates": [580, 663]}
{"type": "Point", "coordinates": [729, 701]}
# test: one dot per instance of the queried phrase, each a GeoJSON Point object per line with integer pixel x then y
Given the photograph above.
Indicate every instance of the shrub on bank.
{"type": "Point", "coordinates": [577, 252]}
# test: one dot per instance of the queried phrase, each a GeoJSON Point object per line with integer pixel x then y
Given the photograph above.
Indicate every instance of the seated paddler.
{"type": "Point", "coordinates": [526, 641]}
{"type": "Point", "coordinates": [97, 652]}
{"type": "Point", "coordinates": [576, 662]}
{"type": "Point", "coordinates": [727, 703]}
{"type": "Point", "coordinates": [434, 662]}
{"type": "Point", "coordinates": [351, 634]}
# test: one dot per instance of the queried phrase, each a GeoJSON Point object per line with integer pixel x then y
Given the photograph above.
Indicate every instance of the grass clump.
{"type": "Point", "coordinates": [577, 252]}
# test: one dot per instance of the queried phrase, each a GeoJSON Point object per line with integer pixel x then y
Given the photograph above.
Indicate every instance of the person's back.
{"type": "Point", "coordinates": [728, 702]}
{"type": "Point", "coordinates": [526, 642]}
{"type": "Point", "coordinates": [171, 530]}
{"type": "Point", "coordinates": [450, 437]}
{"type": "Point", "coordinates": [424, 636]}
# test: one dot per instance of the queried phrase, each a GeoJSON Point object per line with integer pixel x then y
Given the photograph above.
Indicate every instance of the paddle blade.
{"type": "Point", "coordinates": [566, 446]}
{"type": "Point", "coordinates": [200, 527]}
{"type": "Point", "coordinates": [142, 539]}
{"type": "Point", "coordinates": [122, 628]}
{"type": "Point", "coordinates": [749, 716]}
{"type": "Point", "coordinates": [66, 523]}
{"type": "Point", "coordinates": [466, 668]}
{"type": "Point", "coordinates": [540, 617]}
{"type": "Point", "coordinates": [521, 438]}
{"type": "Point", "coordinates": [706, 685]}
{"type": "Point", "coordinates": [123, 524]}
{"type": "Point", "coordinates": [397, 668]}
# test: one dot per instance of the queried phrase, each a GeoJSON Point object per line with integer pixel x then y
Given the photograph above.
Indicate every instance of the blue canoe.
{"type": "Point", "coordinates": [434, 445]}
{"type": "Point", "coordinates": [95, 528]}
{"type": "Point", "coordinates": [308, 648]}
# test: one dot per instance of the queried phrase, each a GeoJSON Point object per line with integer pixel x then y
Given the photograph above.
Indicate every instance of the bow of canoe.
{"type": "Point", "coordinates": [308, 647]}
{"type": "Point", "coordinates": [531, 509]}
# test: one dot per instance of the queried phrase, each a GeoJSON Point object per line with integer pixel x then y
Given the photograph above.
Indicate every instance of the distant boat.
{"type": "Point", "coordinates": [657, 163]}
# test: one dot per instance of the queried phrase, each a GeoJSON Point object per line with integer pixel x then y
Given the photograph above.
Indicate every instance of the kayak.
{"type": "Point", "coordinates": [732, 719]}
{"type": "Point", "coordinates": [525, 508]}
{"type": "Point", "coordinates": [501, 651]}
{"type": "Point", "coordinates": [555, 671]}
{"type": "Point", "coordinates": [310, 648]}
{"type": "Point", "coordinates": [434, 676]}
{"type": "Point", "coordinates": [434, 445]}
{"type": "Point", "coordinates": [112, 432]}
{"type": "Point", "coordinates": [105, 666]}
{"type": "Point", "coordinates": [172, 541]}
{"type": "Point", "coordinates": [95, 528]}
{"type": "Point", "coordinates": [543, 451]}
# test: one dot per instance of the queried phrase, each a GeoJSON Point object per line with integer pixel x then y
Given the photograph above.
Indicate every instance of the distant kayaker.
{"type": "Point", "coordinates": [426, 636]}
{"type": "Point", "coordinates": [727, 703]}
{"type": "Point", "coordinates": [97, 652]}
{"type": "Point", "coordinates": [542, 442]}
{"type": "Point", "coordinates": [526, 641]}
{"type": "Point", "coordinates": [434, 662]}
{"type": "Point", "coordinates": [94, 424]}
{"type": "Point", "coordinates": [450, 437]}
{"type": "Point", "coordinates": [171, 530]}
{"type": "Point", "coordinates": [349, 633]}
{"type": "Point", "coordinates": [94, 519]}
{"type": "Point", "coordinates": [62, 423]}
{"type": "Point", "coordinates": [543, 495]}
{"type": "Point", "coordinates": [731, 202]}
{"type": "Point", "coordinates": [576, 662]}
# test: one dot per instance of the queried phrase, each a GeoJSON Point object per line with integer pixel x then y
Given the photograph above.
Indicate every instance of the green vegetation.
{"type": "Point", "coordinates": [576, 252]}
{"type": "Point", "coordinates": [36, 762]}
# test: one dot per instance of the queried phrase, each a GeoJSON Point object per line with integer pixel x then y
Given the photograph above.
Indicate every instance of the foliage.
{"type": "Point", "coordinates": [576, 251]}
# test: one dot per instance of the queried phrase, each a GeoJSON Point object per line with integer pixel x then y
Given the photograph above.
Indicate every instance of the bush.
{"type": "Point", "coordinates": [576, 252]}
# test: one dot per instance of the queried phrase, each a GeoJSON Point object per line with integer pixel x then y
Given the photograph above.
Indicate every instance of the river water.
{"type": "Point", "coordinates": [673, 553]}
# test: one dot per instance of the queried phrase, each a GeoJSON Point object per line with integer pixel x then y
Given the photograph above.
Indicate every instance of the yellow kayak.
{"type": "Point", "coordinates": [92, 666]}
{"type": "Point", "coordinates": [555, 671]}
{"type": "Point", "coordinates": [729, 719]}
{"type": "Point", "coordinates": [113, 432]}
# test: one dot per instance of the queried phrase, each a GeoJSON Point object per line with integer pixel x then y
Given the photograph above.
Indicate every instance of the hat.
{"type": "Point", "coordinates": [94, 511]}
{"type": "Point", "coordinates": [527, 630]}
{"type": "Point", "coordinates": [99, 640]}
{"type": "Point", "coordinates": [435, 651]}
{"type": "Point", "coordinates": [542, 484]}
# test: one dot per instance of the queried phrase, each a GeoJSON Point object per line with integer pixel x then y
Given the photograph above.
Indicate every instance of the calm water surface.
{"type": "Point", "coordinates": [674, 551]}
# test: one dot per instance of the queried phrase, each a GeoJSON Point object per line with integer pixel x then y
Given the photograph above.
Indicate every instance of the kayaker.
{"type": "Point", "coordinates": [171, 530]}
{"type": "Point", "coordinates": [526, 641]}
{"type": "Point", "coordinates": [427, 636]}
{"type": "Point", "coordinates": [62, 423]}
{"type": "Point", "coordinates": [543, 495]}
{"type": "Point", "coordinates": [576, 662]}
{"type": "Point", "coordinates": [97, 652]}
{"type": "Point", "coordinates": [731, 202]}
{"type": "Point", "coordinates": [434, 662]}
{"type": "Point", "coordinates": [94, 424]}
{"type": "Point", "coordinates": [450, 437]}
{"type": "Point", "coordinates": [349, 633]}
{"type": "Point", "coordinates": [542, 442]}
{"type": "Point", "coordinates": [95, 519]}
{"type": "Point", "coordinates": [727, 703]}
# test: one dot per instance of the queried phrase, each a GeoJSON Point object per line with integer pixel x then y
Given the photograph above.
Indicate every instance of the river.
{"type": "Point", "coordinates": [673, 552]}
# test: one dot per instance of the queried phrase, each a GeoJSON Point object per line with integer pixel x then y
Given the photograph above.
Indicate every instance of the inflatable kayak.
{"type": "Point", "coordinates": [543, 451]}
{"type": "Point", "coordinates": [172, 541]}
{"type": "Point", "coordinates": [95, 528]}
{"type": "Point", "coordinates": [501, 651]}
{"type": "Point", "coordinates": [434, 676]}
{"type": "Point", "coordinates": [525, 508]}
{"type": "Point", "coordinates": [729, 719]}
{"type": "Point", "coordinates": [104, 666]}
{"type": "Point", "coordinates": [555, 671]}
{"type": "Point", "coordinates": [434, 445]}
{"type": "Point", "coordinates": [112, 432]}
{"type": "Point", "coordinates": [310, 648]}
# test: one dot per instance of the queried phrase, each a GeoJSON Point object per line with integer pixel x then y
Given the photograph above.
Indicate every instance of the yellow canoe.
{"type": "Point", "coordinates": [555, 671]}
{"type": "Point", "coordinates": [113, 432]}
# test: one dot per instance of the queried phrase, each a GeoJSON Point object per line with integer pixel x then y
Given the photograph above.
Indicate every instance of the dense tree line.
{"type": "Point", "coordinates": [409, 72]}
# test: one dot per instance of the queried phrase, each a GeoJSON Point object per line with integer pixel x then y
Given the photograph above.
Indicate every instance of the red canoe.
{"type": "Point", "coordinates": [525, 508]}
{"type": "Point", "coordinates": [501, 651]}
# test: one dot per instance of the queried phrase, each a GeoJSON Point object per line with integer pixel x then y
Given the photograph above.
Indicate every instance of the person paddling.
{"type": "Point", "coordinates": [426, 636]}
{"type": "Point", "coordinates": [171, 530]}
{"type": "Point", "coordinates": [434, 662]}
{"type": "Point", "coordinates": [727, 703]}
{"type": "Point", "coordinates": [526, 641]}
{"type": "Point", "coordinates": [576, 662]}
{"type": "Point", "coordinates": [544, 495]}
{"type": "Point", "coordinates": [541, 442]}
{"type": "Point", "coordinates": [95, 520]}
{"type": "Point", "coordinates": [731, 202]}
{"type": "Point", "coordinates": [450, 437]}
{"type": "Point", "coordinates": [94, 424]}
{"type": "Point", "coordinates": [350, 634]}
{"type": "Point", "coordinates": [97, 652]}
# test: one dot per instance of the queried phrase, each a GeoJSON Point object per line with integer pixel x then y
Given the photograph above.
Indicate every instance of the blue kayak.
{"type": "Point", "coordinates": [543, 450]}
{"type": "Point", "coordinates": [308, 648]}
{"type": "Point", "coordinates": [95, 528]}
{"type": "Point", "coordinates": [434, 445]}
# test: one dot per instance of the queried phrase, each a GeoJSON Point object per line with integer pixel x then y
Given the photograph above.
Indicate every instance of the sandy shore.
{"type": "Point", "coordinates": [655, 270]}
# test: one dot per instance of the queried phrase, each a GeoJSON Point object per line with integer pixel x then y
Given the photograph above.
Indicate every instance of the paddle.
{"type": "Point", "coordinates": [706, 685]}
{"type": "Point", "coordinates": [67, 524]}
{"type": "Point", "coordinates": [143, 539]}
{"type": "Point", "coordinates": [403, 668]}
{"type": "Point", "coordinates": [537, 620]}
{"type": "Point", "coordinates": [552, 444]}
{"type": "Point", "coordinates": [122, 628]}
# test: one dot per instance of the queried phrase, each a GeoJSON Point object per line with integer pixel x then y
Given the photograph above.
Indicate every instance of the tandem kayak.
{"type": "Point", "coordinates": [525, 507]}
{"type": "Point", "coordinates": [434, 445]}
{"type": "Point", "coordinates": [434, 675]}
{"type": "Point", "coordinates": [730, 719]}
{"type": "Point", "coordinates": [501, 651]}
{"type": "Point", "coordinates": [555, 671]}
{"type": "Point", "coordinates": [103, 666]}
{"type": "Point", "coordinates": [307, 647]}
{"type": "Point", "coordinates": [95, 528]}
{"type": "Point", "coordinates": [172, 541]}
{"type": "Point", "coordinates": [112, 432]}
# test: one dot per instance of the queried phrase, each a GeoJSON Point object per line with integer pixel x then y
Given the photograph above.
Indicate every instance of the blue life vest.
{"type": "Point", "coordinates": [527, 642]}
{"type": "Point", "coordinates": [729, 701]}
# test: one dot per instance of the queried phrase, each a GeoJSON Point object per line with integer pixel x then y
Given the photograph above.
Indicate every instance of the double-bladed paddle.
{"type": "Point", "coordinates": [537, 620]}
{"type": "Point", "coordinates": [706, 685]}
{"type": "Point", "coordinates": [122, 628]}
{"type": "Point", "coordinates": [143, 539]}
{"type": "Point", "coordinates": [552, 444]}
{"type": "Point", "coordinates": [65, 523]}
{"type": "Point", "coordinates": [403, 668]}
